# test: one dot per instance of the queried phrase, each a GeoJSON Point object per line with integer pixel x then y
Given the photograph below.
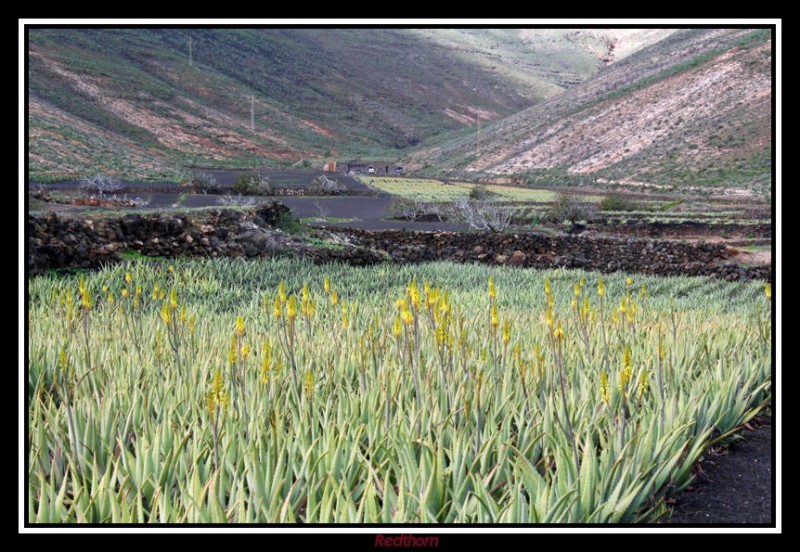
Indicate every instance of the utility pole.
{"type": "Point", "coordinates": [252, 111]}
{"type": "Point", "coordinates": [190, 51]}
{"type": "Point", "coordinates": [479, 136]}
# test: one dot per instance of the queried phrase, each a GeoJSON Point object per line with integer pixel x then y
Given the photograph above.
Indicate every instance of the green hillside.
{"type": "Point", "coordinates": [128, 101]}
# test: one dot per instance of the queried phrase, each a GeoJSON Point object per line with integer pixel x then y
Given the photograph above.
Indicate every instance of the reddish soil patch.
{"type": "Point", "coordinates": [752, 258]}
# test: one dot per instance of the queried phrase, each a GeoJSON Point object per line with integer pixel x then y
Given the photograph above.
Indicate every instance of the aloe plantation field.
{"type": "Point", "coordinates": [274, 391]}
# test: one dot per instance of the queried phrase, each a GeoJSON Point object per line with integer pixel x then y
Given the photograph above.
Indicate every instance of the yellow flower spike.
{"type": "Point", "coordinates": [506, 332]}
{"type": "Point", "coordinates": [138, 290]}
{"type": "Point", "coordinates": [110, 298]}
{"type": "Point", "coordinates": [334, 298]}
{"type": "Point", "coordinates": [492, 289]}
{"type": "Point", "coordinates": [245, 351]}
{"type": "Point", "coordinates": [768, 291]}
{"type": "Point", "coordinates": [192, 325]}
{"type": "Point", "coordinates": [239, 328]}
{"type": "Point", "coordinates": [604, 390]}
{"type": "Point", "coordinates": [641, 389]}
{"type": "Point", "coordinates": [282, 291]}
{"type": "Point", "coordinates": [401, 304]}
{"type": "Point", "coordinates": [577, 290]}
{"type": "Point", "coordinates": [574, 304]}
{"type": "Point", "coordinates": [583, 281]}
{"type": "Point", "coordinates": [585, 308]}
{"type": "Point", "coordinates": [170, 269]}
{"type": "Point", "coordinates": [233, 354]}
{"type": "Point", "coordinates": [162, 295]}
{"type": "Point", "coordinates": [615, 316]}
{"type": "Point", "coordinates": [128, 278]}
{"type": "Point", "coordinates": [559, 333]}
{"type": "Point", "coordinates": [413, 295]}
{"type": "Point", "coordinates": [173, 298]}
{"type": "Point", "coordinates": [326, 284]}
{"type": "Point", "coordinates": [547, 287]}
{"type": "Point", "coordinates": [211, 405]}
{"type": "Point", "coordinates": [124, 293]}
{"type": "Point", "coordinates": [291, 307]}
{"type": "Point", "coordinates": [165, 314]}
{"type": "Point", "coordinates": [155, 292]}
{"type": "Point", "coordinates": [627, 369]}
{"type": "Point", "coordinates": [397, 327]}
{"type": "Point", "coordinates": [344, 315]}
{"type": "Point", "coordinates": [305, 292]}
{"type": "Point", "coordinates": [63, 361]}
{"type": "Point", "coordinates": [407, 317]}
{"type": "Point", "coordinates": [601, 288]}
{"type": "Point", "coordinates": [86, 299]}
{"type": "Point", "coordinates": [495, 317]}
{"type": "Point", "coordinates": [643, 292]}
{"type": "Point", "coordinates": [309, 385]}
{"type": "Point", "coordinates": [433, 297]}
{"type": "Point", "coordinates": [628, 281]}
{"type": "Point", "coordinates": [623, 305]}
{"type": "Point", "coordinates": [276, 309]}
{"type": "Point", "coordinates": [104, 288]}
{"type": "Point", "coordinates": [182, 314]}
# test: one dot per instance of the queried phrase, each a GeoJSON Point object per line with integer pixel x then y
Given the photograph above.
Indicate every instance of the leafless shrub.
{"type": "Point", "coordinates": [253, 184]}
{"type": "Point", "coordinates": [323, 211]}
{"type": "Point", "coordinates": [483, 215]}
{"type": "Point", "coordinates": [567, 207]}
{"type": "Point", "coordinates": [100, 184]}
{"type": "Point", "coordinates": [322, 185]}
{"type": "Point", "coordinates": [142, 201]}
{"type": "Point", "coordinates": [204, 181]}
{"type": "Point", "coordinates": [230, 200]}
{"type": "Point", "coordinates": [406, 208]}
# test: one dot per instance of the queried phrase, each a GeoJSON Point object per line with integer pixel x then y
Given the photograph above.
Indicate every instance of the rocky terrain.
{"type": "Point", "coordinates": [692, 110]}
{"type": "Point", "coordinates": [56, 241]}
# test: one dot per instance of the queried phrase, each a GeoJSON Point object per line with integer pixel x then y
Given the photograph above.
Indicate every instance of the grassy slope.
{"type": "Point", "coordinates": [693, 109]}
{"type": "Point", "coordinates": [101, 96]}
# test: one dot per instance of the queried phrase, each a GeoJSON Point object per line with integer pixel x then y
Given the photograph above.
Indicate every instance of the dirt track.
{"type": "Point", "coordinates": [734, 487]}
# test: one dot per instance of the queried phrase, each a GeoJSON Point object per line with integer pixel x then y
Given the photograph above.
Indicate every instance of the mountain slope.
{"type": "Point", "coordinates": [128, 101]}
{"type": "Point", "coordinates": [693, 109]}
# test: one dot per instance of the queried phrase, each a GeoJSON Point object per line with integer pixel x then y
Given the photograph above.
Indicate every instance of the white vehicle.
{"type": "Point", "coordinates": [371, 170]}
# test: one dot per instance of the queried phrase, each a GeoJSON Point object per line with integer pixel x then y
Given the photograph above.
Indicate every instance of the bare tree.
{"type": "Point", "coordinates": [406, 208]}
{"type": "Point", "coordinates": [204, 181]}
{"type": "Point", "coordinates": [100, 183]}
{"type": "Point", "coordinates": [325, 186]}
{"type": "Point", "coordinates": [483, 215]}
{"type": "Point", "coordinates": [323, 211]}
